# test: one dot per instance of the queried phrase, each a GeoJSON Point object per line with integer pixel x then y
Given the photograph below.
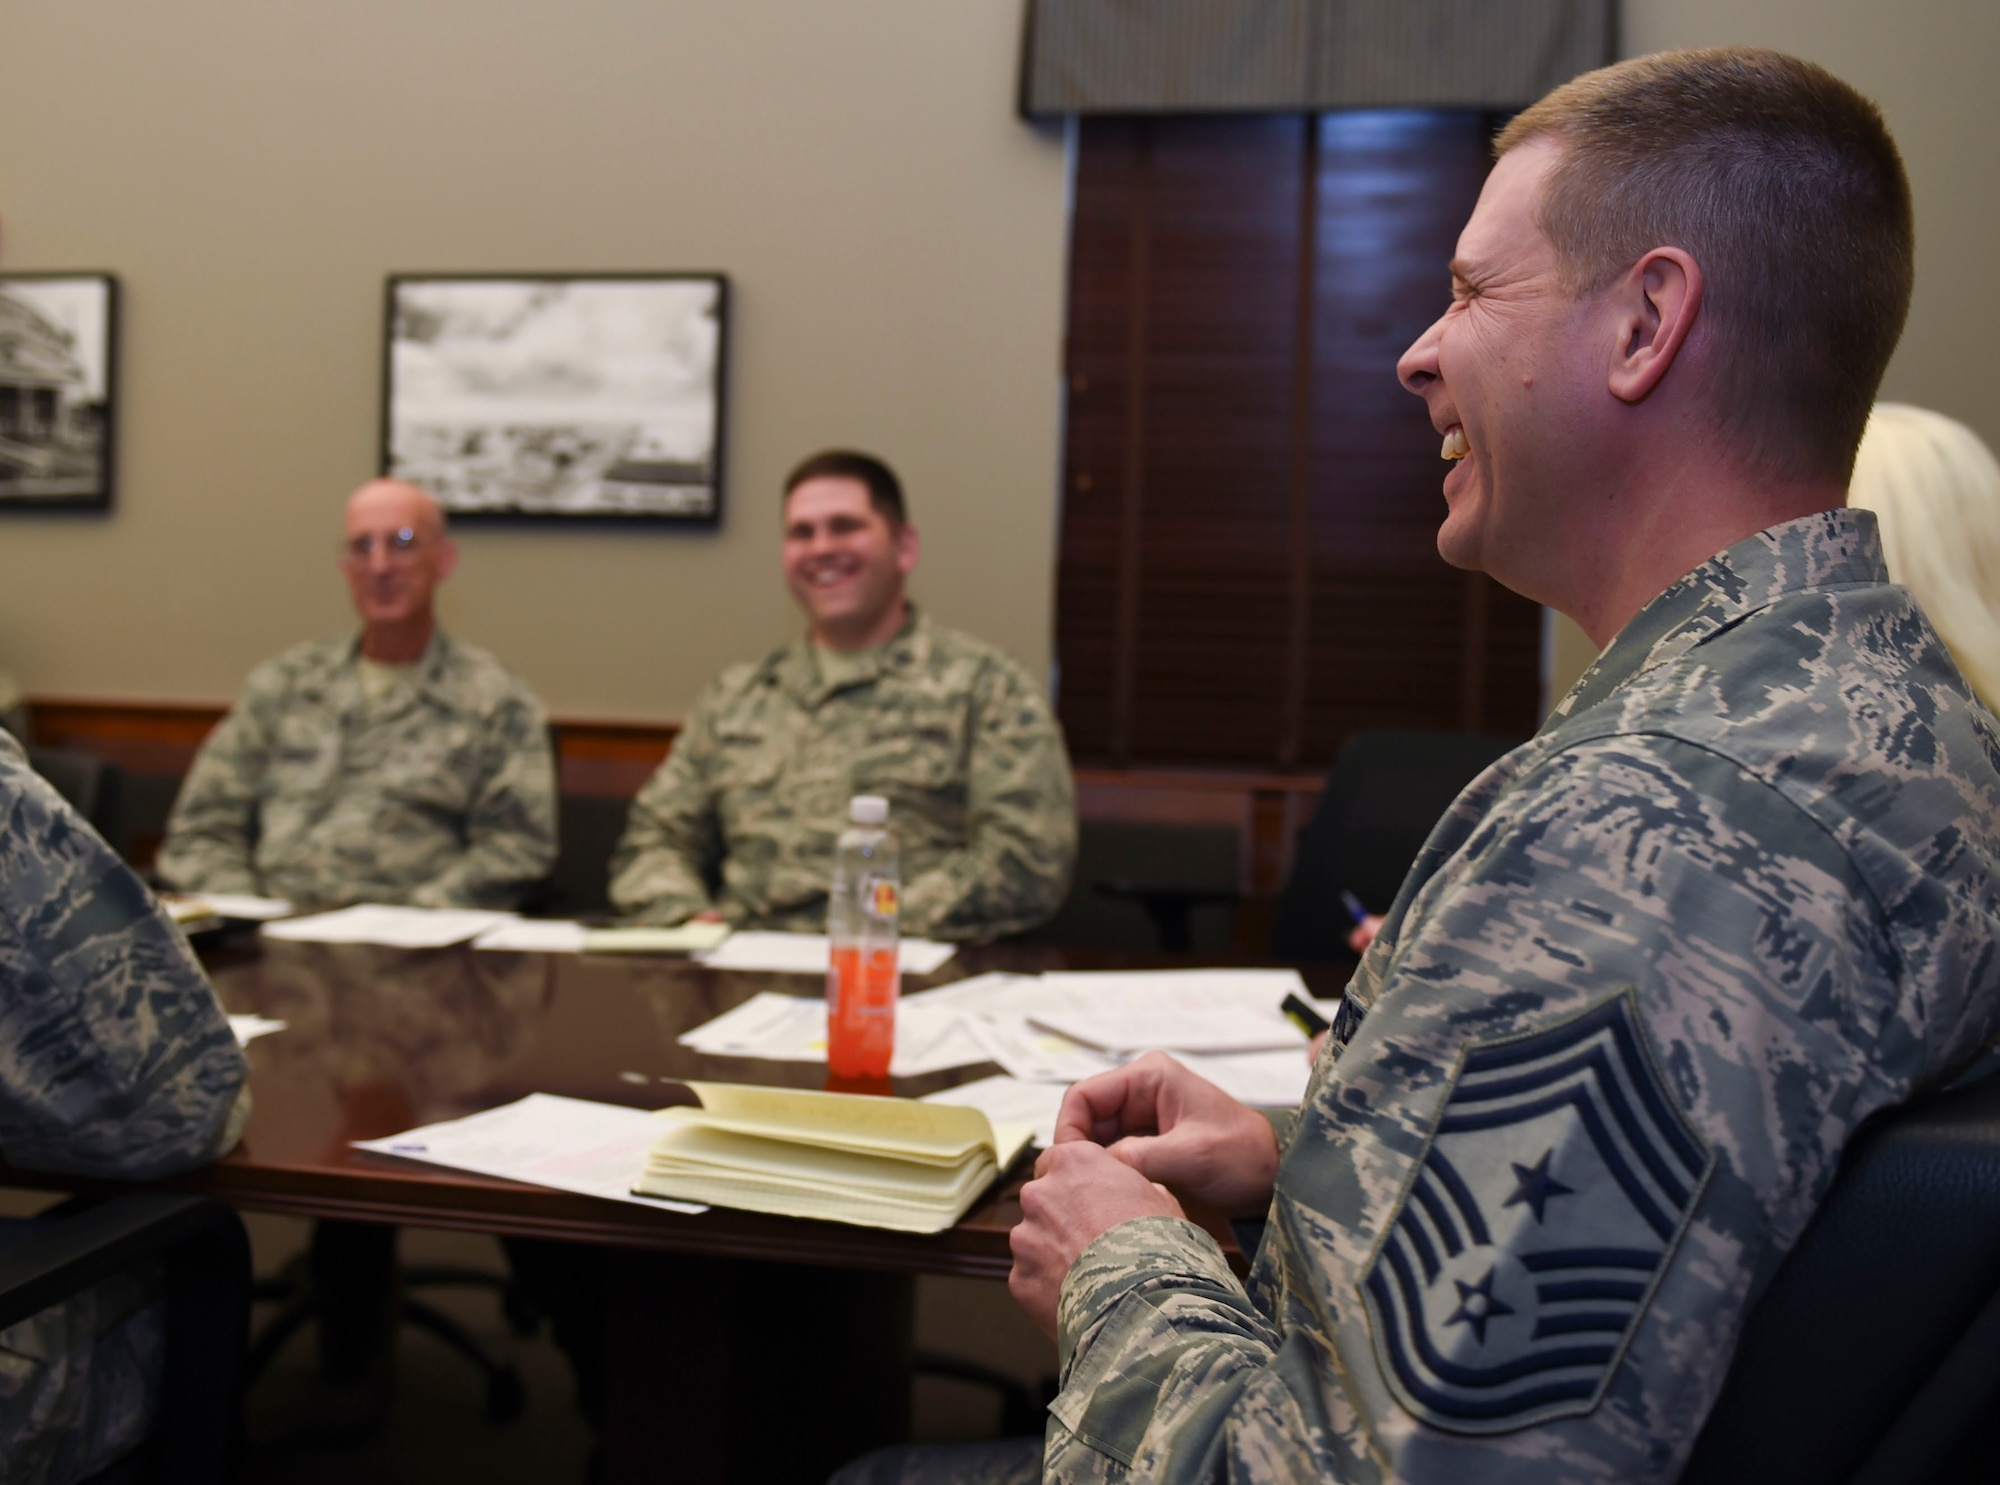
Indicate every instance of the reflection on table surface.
{"type": "Point", "coordinates": [378, 1040]}
{"type": "Point", "coordinates": [381, 1040]}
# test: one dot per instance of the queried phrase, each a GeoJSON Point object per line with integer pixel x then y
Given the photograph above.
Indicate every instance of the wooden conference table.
{"type": "Point", "coordinates": [380, 1040]}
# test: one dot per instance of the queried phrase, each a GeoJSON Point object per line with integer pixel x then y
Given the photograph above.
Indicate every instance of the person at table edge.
{"type": "Point", "coordinates": [1653, 968]}
{"type": "Point", "coordinates": [740, 821]}
{"type": "Point", "coordinates": [116, 1063]}
{"type": "Point", "coordinates": [399, 766]}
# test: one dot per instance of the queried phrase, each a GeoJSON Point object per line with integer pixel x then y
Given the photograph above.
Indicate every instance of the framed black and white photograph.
{"type": "Point", "coordinates": [568, 395]}
{"type": "Point", "coordinates": [58, 344]}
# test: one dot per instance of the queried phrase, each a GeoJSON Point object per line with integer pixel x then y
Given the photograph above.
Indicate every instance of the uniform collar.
{"type": "Point", "coordinates": [1827, 550]}
{"type": "Point", "coordinates": [432, 679]}
{"type": "Point", "coordinates": [797, 667]}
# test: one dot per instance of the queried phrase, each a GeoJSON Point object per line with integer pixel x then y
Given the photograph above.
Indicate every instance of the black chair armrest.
{"type": "Point", "coordinates": [206, 1255]}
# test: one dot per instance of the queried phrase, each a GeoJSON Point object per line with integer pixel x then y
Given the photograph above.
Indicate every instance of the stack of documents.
{"type": "Point", "coordinates": [792, 1028]}
{"type": "Point", "coordinates": [1061, 1028]}
{"type": "Point", "coordinates": [397, 927]}
{"type": "Point", "coordinates": [809, 954]}
{"type": "Point", "coordinates": [873, 1162]}
{"type": "Point", "coordinates": [571, 1144]}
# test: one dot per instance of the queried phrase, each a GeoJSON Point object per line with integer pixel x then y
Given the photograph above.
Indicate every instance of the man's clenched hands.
{"type": "Point", "coordinates": [1079, 1191]}
{"type": "Point", "coordinates": [1178, 1129]}
{"type": "Point", "coordinates": [1128, 1142]}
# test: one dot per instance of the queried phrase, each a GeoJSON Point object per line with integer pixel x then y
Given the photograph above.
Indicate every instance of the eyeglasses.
{"type": "Point", "coordinates": [398, 546]}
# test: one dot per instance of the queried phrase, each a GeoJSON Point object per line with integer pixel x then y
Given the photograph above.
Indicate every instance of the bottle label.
{"type": "Point", "coordinates": [879, 898]}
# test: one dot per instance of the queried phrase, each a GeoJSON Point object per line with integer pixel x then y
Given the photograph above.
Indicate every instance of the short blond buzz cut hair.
{"type": "Point", "coordinates": [1784, 185]}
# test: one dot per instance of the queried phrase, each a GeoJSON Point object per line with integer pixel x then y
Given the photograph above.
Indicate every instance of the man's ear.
{"type": "Point", "coordinates": [1657, 303]}
{"type": "Point", "coordinates": [908, 549]}
{"type": "Point", "coordinates": [447, 559]}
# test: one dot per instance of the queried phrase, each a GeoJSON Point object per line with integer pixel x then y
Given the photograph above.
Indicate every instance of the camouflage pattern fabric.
{"type": "Point", "coordinates": [115, 1061]}
{"type": "Point", "coordinates": [440, 793]}
{"type": "Point", "coordinates": [80, 1382]}
{"type": "Point", "coordinates": [755, 792]}
{"type": "Point", "coordinates": [1649, 973]}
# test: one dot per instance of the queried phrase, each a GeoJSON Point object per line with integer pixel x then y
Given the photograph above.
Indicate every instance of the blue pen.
{"type": "Point", "coordinates": [1353, 905]}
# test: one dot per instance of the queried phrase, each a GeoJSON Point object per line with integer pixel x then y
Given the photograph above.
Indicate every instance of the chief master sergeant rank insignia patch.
{"type": "Point", "coordinates": [1534, 1230]}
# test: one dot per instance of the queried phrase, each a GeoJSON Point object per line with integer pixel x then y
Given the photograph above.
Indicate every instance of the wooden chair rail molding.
{"type": "Point", "coordinates": [613, 759]}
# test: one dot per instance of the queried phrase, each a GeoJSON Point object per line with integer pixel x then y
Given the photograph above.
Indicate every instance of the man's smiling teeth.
{"type": "Point", "coordinates": [1455, 446]}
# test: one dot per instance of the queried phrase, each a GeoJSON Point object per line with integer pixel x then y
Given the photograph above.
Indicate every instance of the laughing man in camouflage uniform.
{"type": "Point", "coordinates": [398, 767]}
{"type": "Point", "coordinates": [875, 699]}
{"type": "Point", "coordinates": [1652, 969]}
{"type": "Point", "coordinates": [115, 1062]}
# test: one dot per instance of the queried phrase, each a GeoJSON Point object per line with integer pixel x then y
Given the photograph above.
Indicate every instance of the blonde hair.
{"type": "Point", "coordinates": [1935, 488]}
{"type": "Point", "coordinates": [1784, 184]}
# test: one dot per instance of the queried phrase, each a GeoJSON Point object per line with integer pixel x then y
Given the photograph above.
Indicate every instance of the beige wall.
{"type": "Point", "coordinates": [253, 168]}
{"type": "Point", "coordinates": [1928, 64]}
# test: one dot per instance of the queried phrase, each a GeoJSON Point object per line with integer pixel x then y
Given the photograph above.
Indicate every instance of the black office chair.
{"type": "Point", "coordinates": [205, 1255]}
{"type": "Point", "coordinates": [1144, 886]}
{"type": "Point", "coordinates": [1383, 794]}
{"type": "Point", "coordinates": [91, 784]}
{"type": "Point", "coordinates": [1874, 1356]}
{"type": "Point", "coordinates": [588, 827]}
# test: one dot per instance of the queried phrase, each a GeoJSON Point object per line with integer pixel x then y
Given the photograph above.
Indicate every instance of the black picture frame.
{"type": "Point", "coordinates": [58, 390]}
{"type": "Point", "coordinates": [578, 397]}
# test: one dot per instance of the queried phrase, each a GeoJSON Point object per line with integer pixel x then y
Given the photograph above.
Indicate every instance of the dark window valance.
{"type": "Point", "coordinates": [1282, 56]}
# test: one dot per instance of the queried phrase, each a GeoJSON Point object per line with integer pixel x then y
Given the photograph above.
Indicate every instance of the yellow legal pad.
{"type": "Point", "coordinates": [687, 938]}
{"type": "Point", "coordinates": [840, 1157]}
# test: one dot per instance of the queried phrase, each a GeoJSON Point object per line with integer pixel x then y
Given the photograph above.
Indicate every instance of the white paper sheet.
{"type": "Point", "coordinates": [1006, 1100]}
{"type": "Point", "coordinates": [1127, 1031]}
{"type": "Point", "coordinates": [249, 1028]}
{"type": "Point", "coordinates": [1204, 1010]}
{"type": "Point", "coordinates": [807, 954]}
{"type": "Point", "coordinates": [534, 936]}
{"type": "Point", "coordinates": [1247, 986]}
{"type": "Point", "coordinates": [571, 1144]}
{"type": "Point", "coordinates": [396, 927]}
{"type": "Point", "coordinates": [1264, 1080]}
{"type": "Point", "coordinates": [792, 1028]}
{"type": "Point", "coordinates": [992, 991]}
{"type": "Point", "coordinates": [239, 905]}
{"type": "Point", "coordinates": [1032, 1054]}
{"type": "Point", "coordinates": [783, 1028]}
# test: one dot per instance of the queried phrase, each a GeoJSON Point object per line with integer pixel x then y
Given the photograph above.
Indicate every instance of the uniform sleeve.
{"type": "Point", "coordinates": [115, 1059]}
{"type": "Point", "coordinates": [1606, 1080]}
{"type": "Point", "coordinates": [659, 873]}
{"type": "Point", "coordinates": [1020, 823]}
{"type": "Point", "coordinates": [211, 839]}
{"type": "Point", "coordinates": [510, 826]}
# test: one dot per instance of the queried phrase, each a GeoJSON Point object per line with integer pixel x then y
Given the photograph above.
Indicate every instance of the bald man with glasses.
{"type": "Point", "coordinates": [396, 767]}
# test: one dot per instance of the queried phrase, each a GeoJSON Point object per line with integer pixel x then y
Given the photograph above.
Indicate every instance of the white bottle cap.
{"type": "Point", "coordinates": [868, 809]}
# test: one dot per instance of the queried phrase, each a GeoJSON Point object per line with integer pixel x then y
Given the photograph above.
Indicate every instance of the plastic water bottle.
{"type": "Point", "coordinates": [862, 975]}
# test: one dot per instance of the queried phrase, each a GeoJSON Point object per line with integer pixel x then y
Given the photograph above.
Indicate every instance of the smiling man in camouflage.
{"type": "Point", "coordinates": [396, 767]}
{"type": "Point", "coordinates": [1653, 968]}
{"type": "Point", "coordinates": [740, 821]}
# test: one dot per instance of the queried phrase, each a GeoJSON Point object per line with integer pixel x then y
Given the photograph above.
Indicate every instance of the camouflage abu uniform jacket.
{"type": "Point", "coordinates": [440, 793]}
{"type": "Point", "coordinates": [115, 1061]}
{"type": "Point", "coordinates": [1646, 977]}
{"type": "Point", "coordinates": [755, 792]}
